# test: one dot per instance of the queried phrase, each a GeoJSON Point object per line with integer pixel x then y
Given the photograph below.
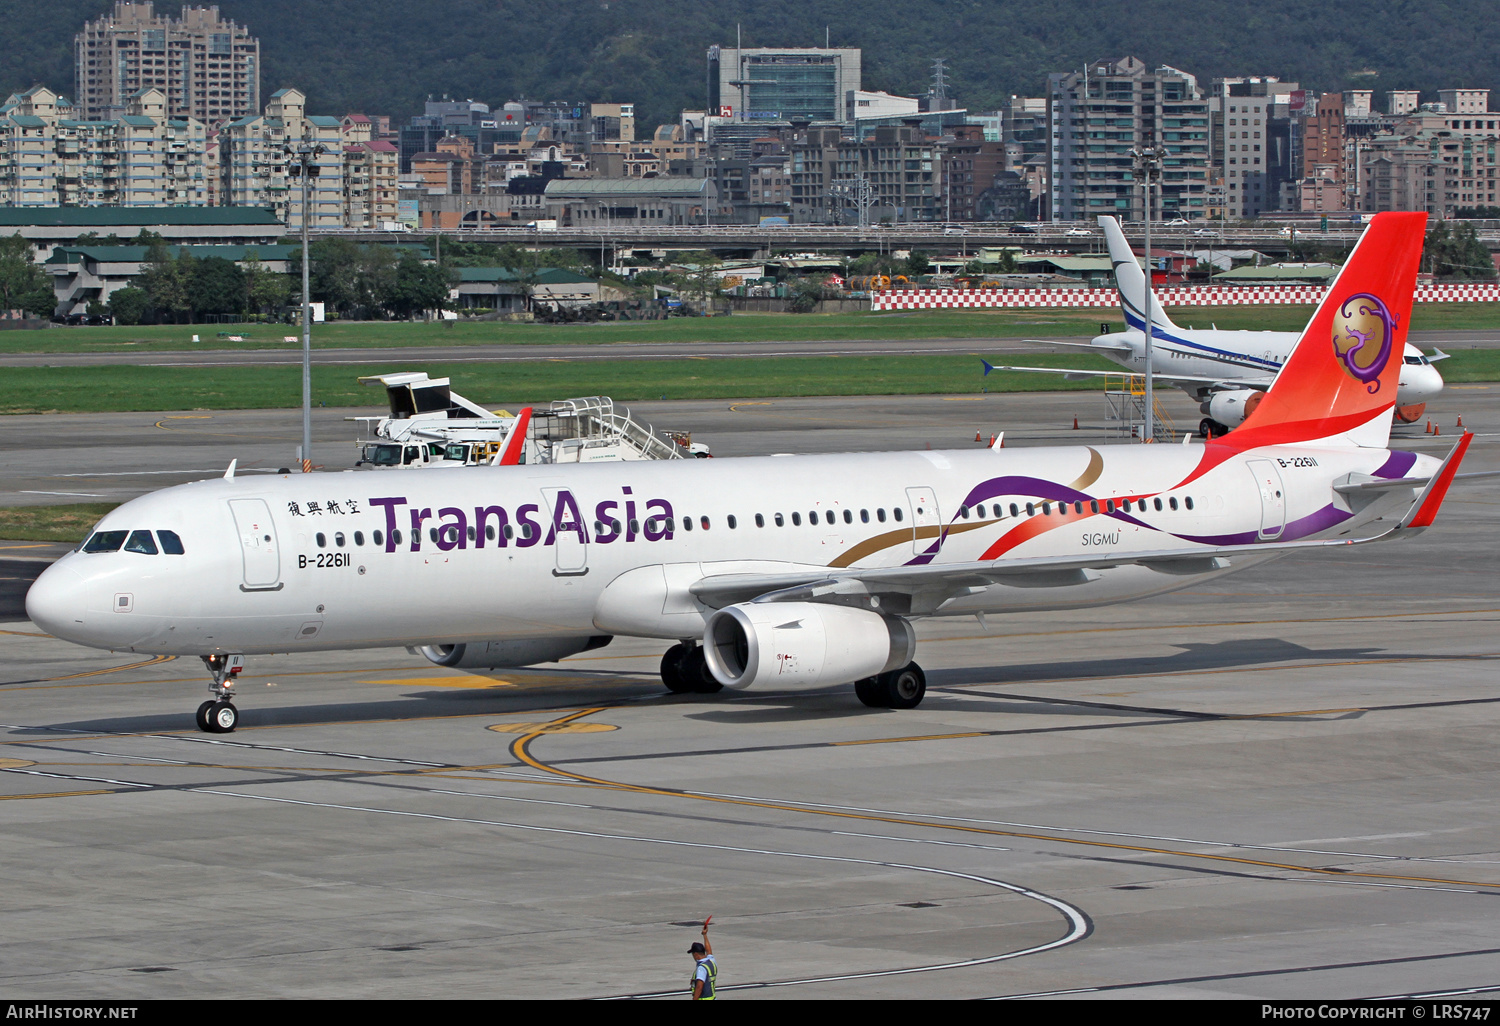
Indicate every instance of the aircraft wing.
{"type": "Point", "coordinates": [917, 590]}
{"type": "Point", "coordinates": [1173, 380]}
{"type": "Point", "coordinates": [1120, 347]}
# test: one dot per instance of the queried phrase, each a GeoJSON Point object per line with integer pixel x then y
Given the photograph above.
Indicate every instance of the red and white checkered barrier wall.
{"type": "Point", "coordinates": [1212, 295]}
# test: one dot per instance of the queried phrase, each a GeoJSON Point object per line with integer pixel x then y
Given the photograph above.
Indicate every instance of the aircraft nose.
{"type": "Point", "coordinates": [56, 602]}
{"type": "Point", "coordinates": [1421, 384]}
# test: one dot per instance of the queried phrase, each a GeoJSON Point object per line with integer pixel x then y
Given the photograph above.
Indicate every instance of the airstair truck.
{"type": "Point", "coordinates": [432, 426]}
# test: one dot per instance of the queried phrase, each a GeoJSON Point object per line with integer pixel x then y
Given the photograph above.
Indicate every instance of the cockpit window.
{"type": "Point", "coordinates": [142, 542]}
{"type": "Point", "coordinates": [105, 541]}
{"type": "Point", "coordinates": [170, 543]}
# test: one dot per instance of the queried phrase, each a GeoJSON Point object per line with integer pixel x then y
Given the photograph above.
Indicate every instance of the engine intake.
{"type": "Point", "coordinates": [490, 655]}
{"type": "Point", "coordinates": [800, 645]}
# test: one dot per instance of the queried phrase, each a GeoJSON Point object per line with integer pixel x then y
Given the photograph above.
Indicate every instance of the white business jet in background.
{"type": "Point", "coordinates": [1226, 372]}
{"type": "Point", "coordinates": [777, 574]}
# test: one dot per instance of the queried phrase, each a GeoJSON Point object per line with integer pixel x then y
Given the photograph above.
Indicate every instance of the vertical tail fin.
{"type": "Point", "coordinates": [1130, 280]}
{"type": "Point", "coordinates": [1339, 384]}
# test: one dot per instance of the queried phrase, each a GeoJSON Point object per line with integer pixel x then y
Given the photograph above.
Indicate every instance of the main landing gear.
{"type": "Point", "coordinates": [895, 689]}
{"type": "Point", "coordinates": [684, 670]}
{"type": "Point", "coordinates": [218, 715]}
{"type": "Point", "coordinates": [1210, 428]}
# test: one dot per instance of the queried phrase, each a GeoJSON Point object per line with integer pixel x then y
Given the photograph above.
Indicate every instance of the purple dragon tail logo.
{"type": "Point", "coordinates": [1363, 333]}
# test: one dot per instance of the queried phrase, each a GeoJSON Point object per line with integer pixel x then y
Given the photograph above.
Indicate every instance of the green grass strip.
{"type": "Point", "coordinates": [741, 327]}
{"type": "Point", "coordinates": [130, 388]}
{"type": "Point", "coordinates": [69, 523]}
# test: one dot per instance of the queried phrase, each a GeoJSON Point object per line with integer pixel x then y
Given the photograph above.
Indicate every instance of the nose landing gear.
{"type": "Point", "coordinates": [218, 715]}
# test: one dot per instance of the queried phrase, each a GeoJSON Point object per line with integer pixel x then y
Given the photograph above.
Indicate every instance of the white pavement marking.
{"type": "Point", "coordinates": [1079, 926]}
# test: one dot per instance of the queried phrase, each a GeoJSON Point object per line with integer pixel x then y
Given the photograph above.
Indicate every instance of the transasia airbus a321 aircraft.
{"type": "Point", "coordinates": [769, 573]}
{"type": "Point", "coordinates": [1226, 372]}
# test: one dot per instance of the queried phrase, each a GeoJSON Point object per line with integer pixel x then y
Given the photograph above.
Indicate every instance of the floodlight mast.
{"type": "Point", "coordinates": [1148, 164]}
{"type": "Point", "coordinates": [302, 161]}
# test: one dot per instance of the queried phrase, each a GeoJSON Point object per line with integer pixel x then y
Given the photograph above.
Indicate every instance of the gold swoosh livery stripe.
{"type": "Point", "coordinates": [1091, 472]}
{"type": "Point", "coordinates": [884, 541]}
{"type": "Point", "coordinates": [870, 546]}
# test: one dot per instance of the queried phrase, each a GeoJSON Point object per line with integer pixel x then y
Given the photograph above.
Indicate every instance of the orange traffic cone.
{"type": "Point", "coordinates": [1460, 420]}
{"type": "Point", "coordinates": [992, 441]}
{"type": "Point", "coordinates": [1075, 423]}
{"type": "Point", "coordinates": [1436, 430]}
{"type": "Point", "coordinates": [1429, 428]}
{"type": "Point", "coordinates": [977, 437]}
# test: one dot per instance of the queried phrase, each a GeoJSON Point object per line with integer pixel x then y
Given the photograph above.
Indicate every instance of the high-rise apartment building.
{"type": "Point", "coordinates": [142, 158]}
{"type": "Point", "coordinates": [1253, 141]}
{"type": "Point", "coordinates": [1098, 115]}
{"type": "Point", "coordinates": [206, 67]}
{"type": "Point", "coordinates": [257, 172]}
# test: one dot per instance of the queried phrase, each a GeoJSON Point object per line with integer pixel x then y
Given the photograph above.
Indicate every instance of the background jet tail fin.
{"type": "Point", "coordinates": [1339, 383]}
{"type": "Point", "coordinates": [1130, 280]}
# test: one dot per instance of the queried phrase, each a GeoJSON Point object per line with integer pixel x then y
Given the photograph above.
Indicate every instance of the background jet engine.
{"type": "Point", "coordinates": [800, 645]}
{"type": "Point", "coordinates": [1231, 406]}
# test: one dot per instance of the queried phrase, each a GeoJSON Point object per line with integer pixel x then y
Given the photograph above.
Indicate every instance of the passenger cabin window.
{"type": "Point", "coordinates": [1109, 504]}
{"type": "Point", "coordinates": [321, 539]}
{"type": "Point", "coordinates": [396, 536]}
{"type": "Point", "coordinates": [1157, 503]}
{"type": "Point", "coordinates": [1094, 503]}
{"type": "Point", "coordinates": [1187, 500]}
{"type": "Point", "coordinates": [359, 537]}
{"type": "Point", "coordinates": [338, 539]}
{"type": "Point", "coordinates": [704, 522]}
{"type": "Point", "coordinates": [687, 523]}
{"type": "Point", "coordinates": [796, 519]}
{"type": "Point", "coordinates": [377, 537]}
{"type": "Point", "coordinates": [1172, 502]}
{"type": "Point", "coordinates": [897, 514]}
{"type": "Point", "coordinates": [731, 521]}
{"type": "Point", "coordinates": [963, 511]}
{"type": "Point", "coordinates": [880, 514]}
{"type": "Point", "coordinates": [864, 516]}
{"type": "Point", "coordinates": [105, 541]}
{"type": "Point", "coordinates": [170, 543]}
{"type": "Point", "coordinates": [760, 521]}
{"type": "Point", "coordinates": [848, 516]}
{"type": "Point", "coordinates": [142, 542]}
{"type": "Point", "coordinates": [1030, 509]}
{"type": "Point", "coordinates": [780, 522]}
{"type": "Point", "coordinates": [1015, 510]}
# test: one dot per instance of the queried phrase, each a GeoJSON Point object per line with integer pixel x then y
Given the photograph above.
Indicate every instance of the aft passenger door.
{"type": "Point", "coordinates": [252, 520]}
{"type": "Point", "coordinates": [925, 521]}
{"type": "Point", "coordinates": [1272, 498]}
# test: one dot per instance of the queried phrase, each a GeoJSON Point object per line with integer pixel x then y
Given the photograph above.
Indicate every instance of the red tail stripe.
{"type": "Point", "coordinates": [517, 440]}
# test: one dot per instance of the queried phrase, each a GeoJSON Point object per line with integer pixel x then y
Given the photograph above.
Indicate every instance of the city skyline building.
{"type": "Point", "coordinates": [206, 68]}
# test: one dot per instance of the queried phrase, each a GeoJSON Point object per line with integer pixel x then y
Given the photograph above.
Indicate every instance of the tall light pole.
{"type": "Point", "coordinates": [302, 162]}
{"type": "Point", "coordinates": [1148, 163]}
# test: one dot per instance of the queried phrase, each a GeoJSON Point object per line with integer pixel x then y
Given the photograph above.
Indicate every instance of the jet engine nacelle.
{"type": "Point", "coordinates": [490, 655]}
{"type": "Point", "coordinates": [799, 645]}
{"type": "Point", "coordinates": [1232, 406]}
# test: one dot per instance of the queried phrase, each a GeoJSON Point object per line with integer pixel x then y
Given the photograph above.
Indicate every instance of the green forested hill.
{"type": "Point", "coordinates": [386, 56]}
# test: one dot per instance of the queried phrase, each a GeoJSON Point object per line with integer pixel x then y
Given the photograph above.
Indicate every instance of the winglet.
{"type": "Point", "coordinates": [510, 456]}
{"type": "Point", "coordinates": [229, 474]}
{"type": "Point", "coordinates": [1425, 508]}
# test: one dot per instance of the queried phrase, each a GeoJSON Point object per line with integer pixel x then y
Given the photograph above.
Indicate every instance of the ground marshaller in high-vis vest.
{"type": "Point", "coordinates": [705, 969]}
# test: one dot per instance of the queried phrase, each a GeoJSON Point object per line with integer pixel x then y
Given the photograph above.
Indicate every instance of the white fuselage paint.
{"type": "Point", "coordinates": [233, 591]}
{"type": "Point", "coordinates": [1251, 358]}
